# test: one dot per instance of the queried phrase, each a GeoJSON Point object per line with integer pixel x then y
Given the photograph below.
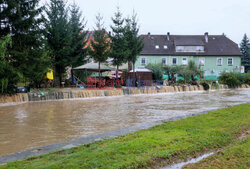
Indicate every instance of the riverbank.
{"type": "Point", "coordinates": [234, 156]}
{"type": "Point", "coordinates": [155, 147]}
{"type": "Point", "coordinates": [73, 93]}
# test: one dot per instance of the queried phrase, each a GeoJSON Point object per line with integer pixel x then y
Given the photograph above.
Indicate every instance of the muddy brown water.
{"type": "Point", "coordinates": [35, 124]}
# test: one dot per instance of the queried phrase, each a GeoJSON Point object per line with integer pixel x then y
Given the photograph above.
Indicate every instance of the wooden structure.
{"type": "Point", "coordinates": [141, 77]}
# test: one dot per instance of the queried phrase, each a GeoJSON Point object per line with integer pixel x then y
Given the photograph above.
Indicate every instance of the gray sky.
{"type": "Point", "coordinates": [231, 17]}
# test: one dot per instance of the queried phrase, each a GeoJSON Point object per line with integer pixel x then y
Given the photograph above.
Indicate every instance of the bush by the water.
{"type": "Point", "coordinates": [234, 80]}
{"type": "Point", "coordinates": [205, 86]}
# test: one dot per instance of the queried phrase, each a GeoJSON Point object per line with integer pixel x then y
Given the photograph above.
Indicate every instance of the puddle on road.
{"type": "Point", "coordinates": [40, 123]}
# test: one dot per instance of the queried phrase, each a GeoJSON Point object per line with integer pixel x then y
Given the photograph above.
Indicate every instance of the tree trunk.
{"type": "Point", "coordinates": [134, 70]}
{"type": "Point", "coordinates": [60, 78]}
{"type": "Point", "coordinates": [99, 68]}
{"type": "Point", "coordinates": [117, 68]}
{"type": "Point", "coordinates": [129, 66]}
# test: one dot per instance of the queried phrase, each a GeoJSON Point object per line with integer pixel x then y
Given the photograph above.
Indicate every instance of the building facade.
{"type": "Point", "coordinates": [213, 53]}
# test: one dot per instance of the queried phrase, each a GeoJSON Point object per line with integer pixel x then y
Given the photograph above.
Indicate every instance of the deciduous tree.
{"type": "Point", "coordinates": [8, 74]}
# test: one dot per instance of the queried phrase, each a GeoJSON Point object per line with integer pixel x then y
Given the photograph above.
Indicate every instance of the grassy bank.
{"type": "Point", "coordinates": [158, 145]}
{"type": "Point", "coordinates": [236, 156]}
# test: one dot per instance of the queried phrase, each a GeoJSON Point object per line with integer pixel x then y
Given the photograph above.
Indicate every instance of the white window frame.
{"type": "Point", "coordinates": [200, 48]}
{"type": "Point", "coordinates": [186, 61]}
{"type": "Point", "coordinates": [232, 61]}
{"type": "Point", "coordinates": [145, 61]}
{"type": "Point", "coordinates": [218, 63]}
{"type": "Point", "coordinates": [200, 61]}
{"type": "Point", "coordinates": [173, 61]}
{"type": "Point", "coordinates": [165, 61]}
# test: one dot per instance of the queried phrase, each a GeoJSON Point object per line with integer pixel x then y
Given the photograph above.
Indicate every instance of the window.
{"type": "Point", "coordinates": [143, 61]}
{"type": "Point", "coordinates": [165, 47]}
{"type": "Point", "coordinates": [202, 61]}
{"type": "Point", "coordinates": [193, 49]}
{"type": "Point", "coordinates": [179, 48]}
{"type": "Point", "coordinates": [174, 61]}
{"type": "Point", "coordinates": [157, 46]}
{"type": "Point", "coordinates": [230, 61]}
{"type": "Point", "coordinates": [184, 61]}
{"type": "Point", "coordinates": [164, 61]}
{"type": "Point", "coordinates": [219, 61]}
{"type": "Point", "coordinates": [200, 48]}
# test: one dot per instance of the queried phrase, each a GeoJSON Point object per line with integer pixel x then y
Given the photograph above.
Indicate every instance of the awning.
{"type": "Point", "coordinates": [93, 67]}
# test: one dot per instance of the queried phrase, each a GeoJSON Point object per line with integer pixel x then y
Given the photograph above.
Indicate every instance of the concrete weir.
{"type": "Point", "coordinates": [78, 93]}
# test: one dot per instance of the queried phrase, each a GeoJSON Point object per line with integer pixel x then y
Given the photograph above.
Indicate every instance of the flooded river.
{"type": "Point", "coordinates": [40, 123]}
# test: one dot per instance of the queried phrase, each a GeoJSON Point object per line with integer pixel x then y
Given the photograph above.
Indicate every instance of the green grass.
{"type": "Point", "coordinates": [149, 148]}
{"type": "Point", "coordinates": [236, 156]}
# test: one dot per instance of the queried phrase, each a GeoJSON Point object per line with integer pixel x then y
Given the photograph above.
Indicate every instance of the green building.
{"type": "Point", "coordinates": [213, 53]}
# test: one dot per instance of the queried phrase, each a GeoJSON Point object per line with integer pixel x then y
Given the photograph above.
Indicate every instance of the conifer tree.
{"type": "Point", "coordinates": [22, 20]}
{"type": "Point", "coordinates": [77, 26]}
{"type": "Point", "coordinates": [118, 46]}
{"type": "Point", "coordinates": [58, 36]}
{"type": "Point", "coordinates": [245, 50]}
{"type": "Point", "coordinates": [99, 49]}
{"type": "Point", "coordinates": [8, 74]}
{"type": "Point", "coordinates": [134, 42]}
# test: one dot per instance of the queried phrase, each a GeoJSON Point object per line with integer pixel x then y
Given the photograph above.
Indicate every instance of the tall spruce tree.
{"type": "Point", "coordinates": [134, 43]}
{"type": "Point", "coordinates": [99, 49]}
{"type": "Point", "coordinates": [77, 26]}
{"type": "Point", "coordinates": [22, 20]}
{"type": "Point", "coordinates": [245, 50]}
{"type": "Point", "coordinates": [118, 46]}
{"type": "Point", "coordinates": [58, 34]}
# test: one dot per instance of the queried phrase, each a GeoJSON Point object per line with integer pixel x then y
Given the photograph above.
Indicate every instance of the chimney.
{"type": "Point", "coordinates": [168, 36]}
{"type": "Point", "coordinates": [206, 37]}
{"type": "Point", "coordinates": [148, 35]}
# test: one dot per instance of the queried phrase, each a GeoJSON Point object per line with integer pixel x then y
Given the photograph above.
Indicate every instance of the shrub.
{"type": "Point", "coordinates": [205, 85]}
{"type": "Point", "coordinates": [248, 79]}
{"type": "Point", "coordinates": [157, 71]}
{"type": "Point", "coordinates": [215, 85]}
{"type": "Point", "coordinates": [181, 81]}
{"type": "Point", "coordinates": [229, 79]}
{"type": "Point", "coordinates": [244, 78]}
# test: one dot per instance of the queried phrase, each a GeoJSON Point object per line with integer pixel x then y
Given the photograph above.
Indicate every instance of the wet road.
{"type": "Point", "coordinates": [40, 123]}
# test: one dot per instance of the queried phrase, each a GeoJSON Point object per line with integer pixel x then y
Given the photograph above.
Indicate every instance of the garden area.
{"type": "Point", "coordinates": [194, 75]}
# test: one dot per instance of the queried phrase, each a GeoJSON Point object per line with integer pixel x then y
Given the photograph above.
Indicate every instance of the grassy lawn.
{"type": "Point", "coordinates": [236, 156]}
{"type": "Point", "coordinates": [153, 147]}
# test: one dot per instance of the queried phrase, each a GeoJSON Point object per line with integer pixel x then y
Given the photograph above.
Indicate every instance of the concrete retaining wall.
{"type": "Point", "coordinates": [77, 93]}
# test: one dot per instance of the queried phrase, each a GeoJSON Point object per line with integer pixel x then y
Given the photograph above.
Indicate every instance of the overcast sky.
{"type": "Point", "coordinates": [231, 17]}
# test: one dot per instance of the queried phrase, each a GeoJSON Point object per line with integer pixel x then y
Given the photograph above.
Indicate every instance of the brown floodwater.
{"type": "Point", "coordinates": [35, 124]}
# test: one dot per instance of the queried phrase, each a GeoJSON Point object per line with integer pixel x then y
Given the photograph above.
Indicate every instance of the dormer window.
{"type": "Point", "coordinates": [193, 49]}
{"type": "Point", "coordinates": [165, 47]}
{"type": "Point", "coordinates": [157, 46]}
{"type": "Point", "coordinates": [199, 48]}
{"type": "Point", "coordinates": [179, 48]}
